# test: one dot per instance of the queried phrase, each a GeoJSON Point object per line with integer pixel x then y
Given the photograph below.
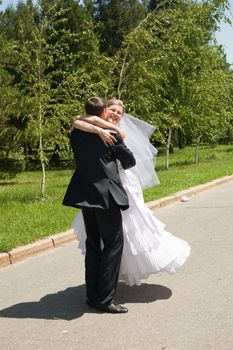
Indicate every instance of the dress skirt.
{"type": "Point", "coordinates": [148, 247]}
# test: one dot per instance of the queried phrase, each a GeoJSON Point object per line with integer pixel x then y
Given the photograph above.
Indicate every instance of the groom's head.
{"type": "Point", "coordinates": [96, 106]}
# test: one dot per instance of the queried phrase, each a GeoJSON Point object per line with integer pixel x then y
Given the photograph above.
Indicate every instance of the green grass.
{"type": "Point", "coordinates": [214, 162]}
{"type": "Point", "coordinates": [25, 219]}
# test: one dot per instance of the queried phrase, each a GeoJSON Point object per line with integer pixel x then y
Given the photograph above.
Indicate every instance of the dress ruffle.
{"type": "Point", "coordinates": [148, 247]}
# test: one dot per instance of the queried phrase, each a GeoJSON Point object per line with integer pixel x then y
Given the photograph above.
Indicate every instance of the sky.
{"type": "Point", "coordinates": [224, 36]}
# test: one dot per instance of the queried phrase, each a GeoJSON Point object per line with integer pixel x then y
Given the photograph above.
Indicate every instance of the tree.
{"type": "Point", "coordinates": [84, 71]}
{"type": "Point", "coordinates": [161, 58]}
{"type": "Point", "coordinates": [165, 4]}
{"type": "Point", "coordinates": [57, 53]}
{"type": "Point", "coordinates": [10, 160]}
{"type": "Point", "coordinates": [34, 62]}
{"type": "Point", "coordinates": [115, 19]}
{"type": "Point", "coordinates": [210, 93]}
{"type": "Point", "coordinates": [60, 66]}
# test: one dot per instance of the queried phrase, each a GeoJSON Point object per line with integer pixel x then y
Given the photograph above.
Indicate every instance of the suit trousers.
{"type": "Point", "coordinates": [102, 264]}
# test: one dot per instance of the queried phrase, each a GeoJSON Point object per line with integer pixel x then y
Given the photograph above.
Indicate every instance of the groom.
{"type": "Point", "coordinates": [96, 188]}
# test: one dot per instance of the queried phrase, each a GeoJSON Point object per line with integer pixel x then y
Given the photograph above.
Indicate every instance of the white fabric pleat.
{"type": "Point", "coordinates": [148, 247]}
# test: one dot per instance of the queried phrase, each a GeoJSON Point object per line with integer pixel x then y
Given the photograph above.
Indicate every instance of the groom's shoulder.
{"type": "Point", "coordinates": [80, 138]}
{"type": "Point", "coordinates": [76, 133]}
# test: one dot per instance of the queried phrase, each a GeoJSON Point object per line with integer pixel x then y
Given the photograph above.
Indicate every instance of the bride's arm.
{"type": "Point", "coordinates": [97, 121]}
{"type": "Point", "coordinates": [107, 136]}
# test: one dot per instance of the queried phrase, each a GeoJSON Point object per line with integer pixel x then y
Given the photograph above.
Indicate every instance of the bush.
{"type": "Point", "coordinates": [9, 168]}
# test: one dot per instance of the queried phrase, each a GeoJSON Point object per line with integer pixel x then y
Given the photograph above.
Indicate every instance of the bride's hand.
{"type": "Point", "coordinates": [107, 136]}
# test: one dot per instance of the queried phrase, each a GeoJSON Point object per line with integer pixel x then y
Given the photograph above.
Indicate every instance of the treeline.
{"type": "Point", "coordinates": [160, 57]}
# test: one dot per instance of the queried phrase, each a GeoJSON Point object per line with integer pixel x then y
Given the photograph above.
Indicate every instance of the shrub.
{"type": "Point", "coordinates": [9, 168]}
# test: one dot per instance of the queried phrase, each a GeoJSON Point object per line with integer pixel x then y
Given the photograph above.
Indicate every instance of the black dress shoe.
{"type": "Point", "coordinates": [112, 308]}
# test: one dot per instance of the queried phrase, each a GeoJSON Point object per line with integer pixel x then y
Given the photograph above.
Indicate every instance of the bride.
{"type": "Point", "coordinates": [148, 247]}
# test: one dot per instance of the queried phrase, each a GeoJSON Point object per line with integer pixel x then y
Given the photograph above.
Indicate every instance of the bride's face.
{"type": "Point", "coordinates": [115, 113]}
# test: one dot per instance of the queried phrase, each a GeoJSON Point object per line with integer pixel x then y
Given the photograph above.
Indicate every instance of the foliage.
{"type": "Point", "coordinates": [174, 75]}
{"type": "Point", "coordinates": [160, 57]}
{"type": "Point", "coordinates": [59, 67]}
{"type": "Point", "coordinates": [116, 18]}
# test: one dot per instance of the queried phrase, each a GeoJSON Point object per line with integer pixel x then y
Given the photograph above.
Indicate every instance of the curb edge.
{"type": "Point", "coordinates": [63, 238]}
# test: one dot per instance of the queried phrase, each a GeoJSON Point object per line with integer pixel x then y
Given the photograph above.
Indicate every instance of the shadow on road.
{"type": "Point", "coordinates": [69, 304]}
{"type": "Point", "coordinates": [145, 293]}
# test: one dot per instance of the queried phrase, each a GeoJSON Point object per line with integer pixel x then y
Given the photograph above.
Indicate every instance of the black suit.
{"type": "Point", "coordinates": [96, 174]}
{"type": "Point", "coordinates": [96, 188]}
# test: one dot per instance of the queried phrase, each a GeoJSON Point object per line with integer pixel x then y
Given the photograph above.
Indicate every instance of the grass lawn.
{"type": "Point", "coordinates": [215, 162]}
{"type": "Point", "coordinates": [25, 219]}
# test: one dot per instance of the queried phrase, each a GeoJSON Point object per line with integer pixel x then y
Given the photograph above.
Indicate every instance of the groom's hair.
{"type": "Point", "coordinates": [95, 106]}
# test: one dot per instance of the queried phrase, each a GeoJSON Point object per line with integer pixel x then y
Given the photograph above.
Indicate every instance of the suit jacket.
{"type": "Point", "coordinates": [96, 173]}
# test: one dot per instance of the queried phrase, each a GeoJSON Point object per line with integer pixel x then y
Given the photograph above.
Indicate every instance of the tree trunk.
{"type": "Point", "coordinates": [41, 115]}
{"type": "Point", "coordinates": [41, 153]}
{"type": "Point", "coordinates": [168, 148]}
{"type": "Point", "coordinates": [123, 68]}
{"type": "Point", "coordinates": [180, 139]}
{"type": "Point", "coordinates": [121, 75]}
{"type": "Point", "coordinates": [197, 149]}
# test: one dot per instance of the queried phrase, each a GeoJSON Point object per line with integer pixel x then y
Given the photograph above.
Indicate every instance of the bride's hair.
{"type": "Point", "coordinates": [115, 101]}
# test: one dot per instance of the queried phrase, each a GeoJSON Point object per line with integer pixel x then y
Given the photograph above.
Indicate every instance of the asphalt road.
{"type": "Point", "coordinates": [42, 299]}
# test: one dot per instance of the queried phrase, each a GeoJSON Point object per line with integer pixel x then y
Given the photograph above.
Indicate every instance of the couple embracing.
{"type": "Point", "coordinates": [120, 237]}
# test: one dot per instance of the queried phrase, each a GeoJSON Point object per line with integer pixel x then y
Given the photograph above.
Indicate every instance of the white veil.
{"type": "Point", "coordinates": [137, 139]}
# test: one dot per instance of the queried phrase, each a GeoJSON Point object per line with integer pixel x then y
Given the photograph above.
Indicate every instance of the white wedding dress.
{"type": "Point", "coordinates": [148, 247]}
